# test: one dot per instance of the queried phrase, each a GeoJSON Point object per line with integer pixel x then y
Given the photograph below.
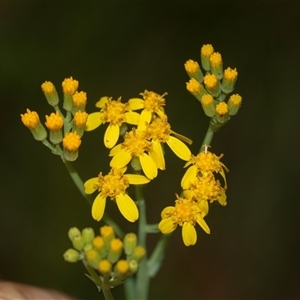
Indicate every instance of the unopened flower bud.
{"type": "Point", "coordinates": [71, 255]}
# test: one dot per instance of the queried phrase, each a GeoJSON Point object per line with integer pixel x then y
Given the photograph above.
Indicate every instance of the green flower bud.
{"type": "Point", "coordinates": [115, 250]}
{"type": "Point", "coordinates": [208, 105]}
{"type": "Point", "coordinates": [71, 255]}
{"type": "Point", "coordinates": [105, 267]}
{"type": "Point", "coordinates": [121, 268]}
{"type": "Point", "coordinates": [108, 234]}
{"type": "Point", "coordinates": [72, 232]}
{"type": "Point", "coordinates": [78, 242]}
{"type": "Point", "coordinates": [130, 242]}
{"type": "Point", "coordinates": [139, 253]}
{"type": "Point", "coordinates": [88, 234]}
{"type": "Point", "coordinates": [133, 266]}
{"type": "Point", "coordinates": [93, 258]}
{"type": "Point", "coordinates": [50, 93]}
{"type": "Point", "coordinates": [99, 245]}
{"type": "Point", "coordinates": [234, 104]}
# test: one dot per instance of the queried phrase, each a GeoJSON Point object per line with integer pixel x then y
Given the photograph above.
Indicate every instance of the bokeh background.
{"type": "Point", "coordinates": [117, 49]}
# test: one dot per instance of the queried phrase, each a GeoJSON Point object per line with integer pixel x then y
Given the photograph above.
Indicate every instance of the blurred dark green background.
{"type": "Point", "coordinates": [119, 49]}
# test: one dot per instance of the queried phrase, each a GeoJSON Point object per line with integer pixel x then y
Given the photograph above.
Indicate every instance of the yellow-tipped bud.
{"type": "Point", "coordinates": [79, 121]}
{"type": "Point", "coordinates": [208, 105]}
{"type": "Point", "coordinates": [69, 86]}
{"type": "Point", "coordinates": [54, 123]}
{"type": "Point", "coordinates": [78, 242]}
{"type": "Point", "coordinates": [206, 52]}
{"type": "Point", "coordinates": [130, 242]}
{"type": "Point", "coordinates": [72, 232]}
{"type": "Point", "coordinates": [229, 79]}
{"type": "Point", "coordinates": [71, 143]}
{"type": "Point", "coordinates": [93, 258]}
{"type": "Point", "coordinates": [50, 93]}
{"type": "Point", "coordinates": [108, 234]}
{"type": "Point", "coordinates": [212, 84]}
{"type": "Point", "coordinates": [121, 268]}
{"type": "Point", "coordinates": [222, 112]}
{"type": "Point", "coordinates": [99, 244]}
{"type": "Point", "coordinates": [32, 121]}
{"type": "Point", "coordinates": [193, 70]}
{"type": "Point", "coordinates": [71, 255]}
{"type": "Point", "coordinates": [216, 64]}
{"type": "Point", "coordinates": [88, 234]}
{"type": "Point", "coordinates": [105, 267]}
{"type": "Point", "coordinates": [115, 250]}
{"type": "Point", "coordinates": [234, 104]}
{"type": "Point", "coordinates": [195, 88]}
{"type": "Point", "coordinates": [79, 101]}
{"type": "Point", "coordinates": [139, 253]}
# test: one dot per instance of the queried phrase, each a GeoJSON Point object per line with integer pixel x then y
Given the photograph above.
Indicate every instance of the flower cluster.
{"type": "Point", "coordinates": [212, 89]}
{"type": "Point", "coordinates": [142, 147]}
{"type": "Point", "coordinates": [66, 130]}
{"type": "Point", "coordinates": [113, 258]}
{"type": "Point", "coordinates": [200, 187]}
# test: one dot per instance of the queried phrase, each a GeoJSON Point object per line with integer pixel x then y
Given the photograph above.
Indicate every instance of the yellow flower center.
{"type": "Point", "coordinates": [30, 119]}
{"type": "Point", "coordinates": [193, 86]}
{"type": "Point", "coordinates": [122, 267]}
{"type": "Point", "coordinates": [191, 66]}
{"type": "Point", "coordinates": [222, 108]}
{"type": "Point", "coordinates": [54, 122]}
{"type": "Point", "coordinates": [153, 102]}
{"type": "Point", "coordinates": [114, 112]}
{"type": "Point", "coordinates": [207, 99]}
{"type": "Point", "coordinates": [184, 211]}
{"type": "Point", "coordinates": [71, 141]}
{"type": "Point", "coordinates": [80, 118]}
{"type": "Point", "coordinates": [112, 184]}
{"type": "Point", "coordinates": [79, 99]}
{"type": "Point", "coordinates": [230, 74]}
{"type": "Point", "coordinates": [207, 162]}
{"type": "Point", "coordinates": [136, 142]}
{"type": "Point", "coordinates": [207, 50]}
{"type": "Point", "coordinates": [159, 129]}
{"type": "Point", "coordinates": [48, 88]}
{"type": "Point", "coordinates": [70, 86]}
{"type": "Point", "coordinates": [206, 187]}
{"type": "Point", "coordinates": [210, 81]}
{"type": "Point", "coordinates": [215, 59]}
{"type": "Point", "coordinates": [235, 99]}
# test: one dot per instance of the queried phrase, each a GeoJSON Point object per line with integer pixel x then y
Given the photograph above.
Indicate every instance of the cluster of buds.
{"type": "Point", "coordinates": [113, 258]}
{"type": "Point", "coordinates": [66, 130]}
{"type": "Point", "coordinates": [213, 88]}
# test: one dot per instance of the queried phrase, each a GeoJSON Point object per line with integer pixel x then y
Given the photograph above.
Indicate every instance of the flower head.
{"type": "Point", "coordinates": [114, 186]}
{"type": "Point", "coordinates": [71, 141]}
{"type": "Point", "coordinates": [137, 145]}
{"type": "Point", "coordinates": [115, 113]}
{"type": "Point", "coordinates": [152, 103]}
{"type": "Point", "coordinates": [70, 86]}
{"type": "Point", "coordinates": [186, 213]}
{"type": "Point", "coordinates": [54, 122]}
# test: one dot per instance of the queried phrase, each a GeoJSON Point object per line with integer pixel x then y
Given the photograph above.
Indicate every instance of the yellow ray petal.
{"type": "Point", "coordinates": [189, 234]}
{"type": "Point", "coordinates": [148, 166]}
{"type": "Point", "coordinates": [166, 226]}
{"type": "Point", "coordinates": [101, 102]}
{"type": "Point", "coordinates": [156, 153]}
{"type": "Point", "coordinates": [204, 207]}
{"type": "Point", "coordinates": [132, 118]}
{"type": "Point", "coordinates": [145, 119]}
{"type": "Point", "coordinates": [222, 198]}
{"type": "Point", "coordinates": [93, 121]}
{"type": "Point", "coordinates": [111, 135]}
{"type": "Point", "coordinates": [90, 185]}
{"type": "Point", "coordinates": [98, 207]}
{"type": "Point", "coordinates": [127, 207]}
{"type": "Point", "coordinates": [115, 150]}
{"type": "Point", "coordinates": [167, 211]}
{"type": "Point", "coordinates": [179, 148]}
{"type": "Point", "coordinates": [121, 159]}
{"type": "Point", "coordinates": [188, 177]}
{"type": "Point", "coordinates": [203, 224]}
{"type": "Point", "coordinates": [136, 103]}
{"type": "Point", "coordinates": [137, 179]}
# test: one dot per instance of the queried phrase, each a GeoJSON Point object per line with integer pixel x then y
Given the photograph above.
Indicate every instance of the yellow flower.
{"type": "Point", "coordinates": [204, 162]}
{"type": "Point", "coordinates": [30, 119]}
{"type": "Point", "coordinates": [185, 213]}
{"type": "Point", "coordinates": [159, 131]}
{"type": "Point", "coordinates": [54, 122]}
{"type": "Point", "coordinates": [152, 103]}
{"type": "Point", "coordinates": [114, 185]}
{"type": "Point", "coordinates": [135, 145]}
{"type": "Point", "coordinates": [70, 86]}
{"type": "Point", "coordinates": [115, 113]}
{"type": "Point", "coordinates": [71, 141]}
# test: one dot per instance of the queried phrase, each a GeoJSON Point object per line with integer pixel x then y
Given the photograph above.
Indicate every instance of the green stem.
{"type": "Point", "coordinates": [143, 279]}
{"type": "Point", "coordinates": [129, 288]}
{"type": "Point", "coordinates": [208, 136]}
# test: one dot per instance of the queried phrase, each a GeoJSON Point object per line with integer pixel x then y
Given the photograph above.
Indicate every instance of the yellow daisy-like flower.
{"type": "Point", "coordinates": [159, 131]}
{"type": "Point", "coordinates": [204, 162]}
{"type": "Point", "coordinates": [115, 113]}
{"type": "Point", "coordinates": [185, 213]}
{"type": "Point", "coordinates": [152, 103]}
{"type": "Point", "coordinates": [206, 188]}
{"type": "Point", "coordinates": [135, 144]}
{"type": "Point", "coordinates": [114, 185]}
